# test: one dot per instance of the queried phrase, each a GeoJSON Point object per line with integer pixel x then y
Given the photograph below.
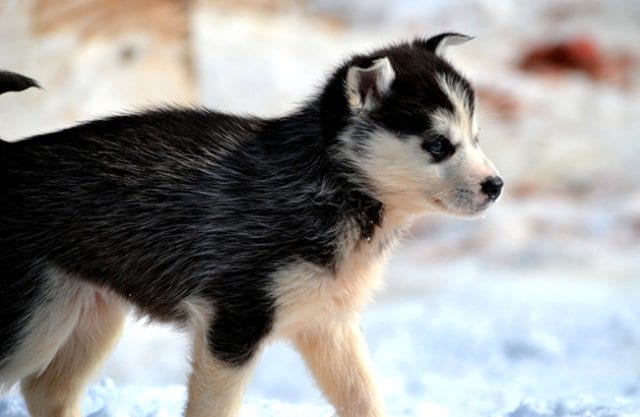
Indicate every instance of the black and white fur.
{"type": "Point", "coordinates": [239, 229]}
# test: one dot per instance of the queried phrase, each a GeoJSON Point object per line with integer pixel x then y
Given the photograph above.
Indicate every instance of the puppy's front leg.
{"type": "Point", "coordinates": [216, 387]}
{"type": "Point", "coordinates": [336, 355]}
{"type": "Point", "coordinates": [223, 358]}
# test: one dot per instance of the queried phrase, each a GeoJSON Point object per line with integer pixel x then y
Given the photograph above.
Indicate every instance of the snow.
{"type": "Point", "coordinates": [531, 311]}
{"type": "Point", "coordinates": [527, 347]}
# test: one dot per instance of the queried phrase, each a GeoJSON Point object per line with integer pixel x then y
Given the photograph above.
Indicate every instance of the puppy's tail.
{"type": "Point", "coordinates": [11, 81]}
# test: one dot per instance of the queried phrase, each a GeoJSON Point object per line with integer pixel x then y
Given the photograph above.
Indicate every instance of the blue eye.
{"type": "Point", "coordinates": [436, 146]}
{"type": "Point", "coordinates": [439, 147]}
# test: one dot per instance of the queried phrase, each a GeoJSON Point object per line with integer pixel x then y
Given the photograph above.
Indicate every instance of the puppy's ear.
{"type": "Point", "coordinates": [366, 86]}
{"type": "Point", "coordinates": [439, 43]}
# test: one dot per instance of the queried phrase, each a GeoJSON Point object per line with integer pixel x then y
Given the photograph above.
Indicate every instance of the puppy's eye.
{"type": "Point", "coordinates": [439, 147]}
{"type": "Point", "coordinates": [436, 147]}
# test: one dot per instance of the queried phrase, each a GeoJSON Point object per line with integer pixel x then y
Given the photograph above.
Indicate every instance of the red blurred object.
{"type": "Point", "coordinates": [580, 54]}
{"type": "Point", "coordinates": [500, 102]}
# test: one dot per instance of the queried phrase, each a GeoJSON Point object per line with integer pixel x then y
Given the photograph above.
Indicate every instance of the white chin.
{"type": "Point", "coordinates": [441, 207]}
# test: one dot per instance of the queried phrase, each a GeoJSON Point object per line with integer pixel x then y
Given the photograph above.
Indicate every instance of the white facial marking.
{"type": "Point", "coordinates": [469, 167]}
{"type": "Point", "coordinates": [461, 123]}
{"type": "Point", "coordinates": [408, 180]}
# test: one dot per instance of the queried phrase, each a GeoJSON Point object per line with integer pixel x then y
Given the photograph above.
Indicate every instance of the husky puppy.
{"type": "Point", "coordinates": [238, 229]}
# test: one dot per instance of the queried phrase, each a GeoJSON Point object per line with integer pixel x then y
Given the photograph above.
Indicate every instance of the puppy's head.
{"type": "Point", "coordinates": [411, 129]}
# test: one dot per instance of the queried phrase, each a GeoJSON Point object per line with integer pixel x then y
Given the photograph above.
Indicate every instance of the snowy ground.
{"type": "Point", "coordinates": [532, 311]}
{"type": "Point", "coordinates": [533, 346]}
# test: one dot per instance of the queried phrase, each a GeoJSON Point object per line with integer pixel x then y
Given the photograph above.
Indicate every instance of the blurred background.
{"type": "Point", "coordinates": [531, 311]}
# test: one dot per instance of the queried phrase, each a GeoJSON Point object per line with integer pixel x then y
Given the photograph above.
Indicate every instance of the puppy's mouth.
{"type": "Point", "coordinates": [462, 210]}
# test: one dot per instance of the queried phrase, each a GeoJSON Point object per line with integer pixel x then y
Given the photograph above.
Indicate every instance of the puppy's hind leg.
{"type": "Point", "coordinates": [56, 391]}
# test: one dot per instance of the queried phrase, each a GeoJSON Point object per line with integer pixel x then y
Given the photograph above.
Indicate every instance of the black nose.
{"type": "Point", "coordinates": [492, 186]}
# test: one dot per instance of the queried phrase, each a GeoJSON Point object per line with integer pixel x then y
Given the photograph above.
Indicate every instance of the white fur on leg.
{"type": "Point", "coordinates": [46, 327]}
{"type": "Point", "coordinates": [56, 391]}
{"type": "Point", "coordinates": [215, 388]}
{"type": "Point", "coordinates": [336, 355]}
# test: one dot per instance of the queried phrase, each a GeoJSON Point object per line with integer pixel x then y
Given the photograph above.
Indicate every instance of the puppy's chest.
{"type": "Point", "coordinates": [305, 292]}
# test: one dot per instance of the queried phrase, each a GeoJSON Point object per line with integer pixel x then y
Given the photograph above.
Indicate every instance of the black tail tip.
{"type": "Point", "coordinates": [10, 81]}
